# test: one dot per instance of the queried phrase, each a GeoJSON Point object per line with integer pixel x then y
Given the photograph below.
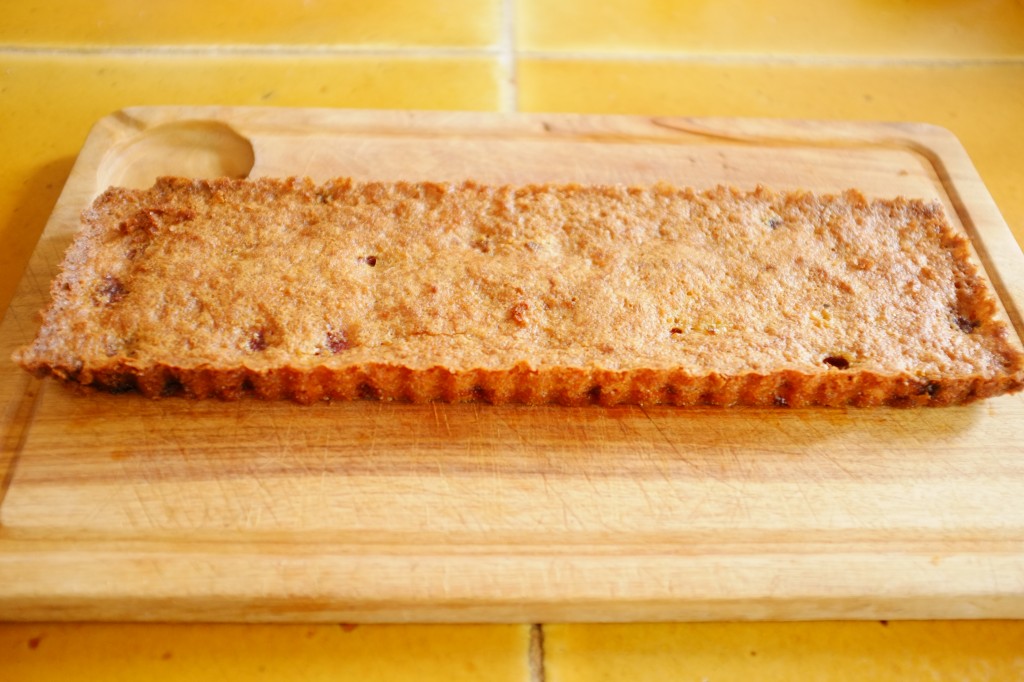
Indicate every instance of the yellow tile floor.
{"type": "Point", "coordinates": [382, 23]}
{"type": "Point", "coordinates": [63, 64]}
{"type": "Point", "coordinates": [307, 653]}
{"type": "Point", "coordinates": [809, 652]}
{"type": "Point", "coordinates": [874, 30]}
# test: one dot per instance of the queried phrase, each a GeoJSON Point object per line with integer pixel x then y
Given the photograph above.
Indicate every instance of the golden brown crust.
{"type": "Point", "coordinates": [534, 294]}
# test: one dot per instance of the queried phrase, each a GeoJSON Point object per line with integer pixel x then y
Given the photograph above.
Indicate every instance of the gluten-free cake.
{"type": "Point", "coordinates": [284, 288]}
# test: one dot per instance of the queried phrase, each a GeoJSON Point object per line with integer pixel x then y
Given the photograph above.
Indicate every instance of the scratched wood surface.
{"type": "Point", "coordinates": [117, 507]}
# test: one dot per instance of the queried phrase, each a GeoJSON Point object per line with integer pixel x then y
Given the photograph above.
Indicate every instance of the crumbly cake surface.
{"type": "Point", "coordinates": [568, 294]}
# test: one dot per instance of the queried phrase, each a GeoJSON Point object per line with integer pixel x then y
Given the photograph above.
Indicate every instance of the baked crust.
{"type": "Point", "coordinates": [567, 294]}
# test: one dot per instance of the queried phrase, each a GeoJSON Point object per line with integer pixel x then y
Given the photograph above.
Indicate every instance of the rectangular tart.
{"type": "Point", "coordinates": [568, 294]}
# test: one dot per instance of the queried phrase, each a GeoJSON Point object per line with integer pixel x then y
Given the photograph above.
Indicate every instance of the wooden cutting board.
{"type": "Point", "coordinates": [117, 507]}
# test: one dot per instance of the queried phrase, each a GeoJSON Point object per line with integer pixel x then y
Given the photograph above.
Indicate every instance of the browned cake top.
{"type": "Point", "coordinates": [272, 273]}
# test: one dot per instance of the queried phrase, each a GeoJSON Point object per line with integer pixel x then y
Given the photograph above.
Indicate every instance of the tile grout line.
{"type": "Point", "coordinates": [505, 52]}
{"type": "Point", "coordinates": [736, 59]}
{"type": "Point", "coordinates": [536, 653]}
{"type": "Point", "coordinates": [508, 88]}
{"type": "Point", "coordinates": [246, 50]}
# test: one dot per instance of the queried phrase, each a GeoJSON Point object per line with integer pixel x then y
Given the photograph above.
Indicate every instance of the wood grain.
{"type": "Point", "coordinates": [118, 507]}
